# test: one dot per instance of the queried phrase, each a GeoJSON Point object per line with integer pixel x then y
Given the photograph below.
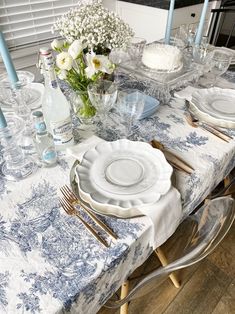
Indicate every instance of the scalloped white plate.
{"type": "Point", "coordinates": [214, 105]}
{"type": "Point", "coordinates": [117, 177]}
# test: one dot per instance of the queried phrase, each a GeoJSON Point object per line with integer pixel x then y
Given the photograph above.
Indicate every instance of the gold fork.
{"type": "Point", "coordinates": [70, 210]}
{"type": "Point", "coordinates": [73, 199]}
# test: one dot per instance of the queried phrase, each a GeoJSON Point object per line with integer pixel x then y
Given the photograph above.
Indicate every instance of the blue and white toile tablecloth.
{"type": "Point", "coordinates": [48, 262]}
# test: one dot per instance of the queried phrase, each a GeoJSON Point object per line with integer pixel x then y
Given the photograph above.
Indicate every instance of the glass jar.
{"type": "Point", "coordinates": [82, 107]}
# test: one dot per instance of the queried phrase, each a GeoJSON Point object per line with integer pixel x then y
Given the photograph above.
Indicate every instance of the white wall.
{"type": "Point", "coordinates": [147, 22]}
{"type": "Point", "coordinates": [110, 4]}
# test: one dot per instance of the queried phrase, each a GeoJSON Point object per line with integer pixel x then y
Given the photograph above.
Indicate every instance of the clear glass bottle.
{"type": "Point", "coordinates": [44, 141]}
{"type": "Point", "coordinates": [55, 106]}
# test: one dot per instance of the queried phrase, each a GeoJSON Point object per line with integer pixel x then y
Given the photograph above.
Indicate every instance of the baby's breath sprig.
{"type": "Point", "coordinates": [95, 26]}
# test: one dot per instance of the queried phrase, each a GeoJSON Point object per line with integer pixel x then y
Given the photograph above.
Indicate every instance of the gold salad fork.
{"type": "Point", "coordinates": [70, 210]}
{"type": "Point", "coordinates": [74, 200]}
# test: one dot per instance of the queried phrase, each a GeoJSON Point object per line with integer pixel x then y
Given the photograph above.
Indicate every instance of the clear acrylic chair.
{"type": "Point", "coordinates": [199, 235]}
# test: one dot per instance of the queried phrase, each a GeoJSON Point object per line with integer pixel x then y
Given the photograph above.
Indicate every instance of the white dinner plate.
{"type": "Point", "coordinates": [214, 105]}
{"type": "Point", "coordinates": [118, 177]}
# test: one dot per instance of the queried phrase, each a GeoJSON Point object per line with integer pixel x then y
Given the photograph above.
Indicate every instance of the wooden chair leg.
{"type": "Point", "coordinates": [162, 258]}
{"type": "Point", "coordinates": [227, 180]}
{"type": "Point", "coordinates": [124, 293]}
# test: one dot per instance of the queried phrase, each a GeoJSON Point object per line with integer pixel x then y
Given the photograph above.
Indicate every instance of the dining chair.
{"type": "Point", "coordinates": [197, 236]}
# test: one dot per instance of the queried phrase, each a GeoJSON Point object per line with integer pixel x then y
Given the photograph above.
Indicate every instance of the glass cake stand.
{"type": "Point", "coordinates": [160, 83]}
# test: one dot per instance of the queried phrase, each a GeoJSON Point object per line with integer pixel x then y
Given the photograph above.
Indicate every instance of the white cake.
{"type": "Point", "coordinates": [162, 57]}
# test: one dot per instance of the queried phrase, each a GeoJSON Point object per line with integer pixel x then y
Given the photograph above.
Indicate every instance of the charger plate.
{"type": "Point", "coordinates": [215, 106]}
{"type": "Point", "coordinates": [116, 178]}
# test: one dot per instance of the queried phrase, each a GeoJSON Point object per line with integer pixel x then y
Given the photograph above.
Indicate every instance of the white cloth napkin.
{"type": "Point", "coordinates": [164, 215]}
{"type": "Point", "coordinates": [187, 92]}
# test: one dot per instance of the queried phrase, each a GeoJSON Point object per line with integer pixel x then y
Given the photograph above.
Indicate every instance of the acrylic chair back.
{"type": "Point", "coordinates": [201, 233]}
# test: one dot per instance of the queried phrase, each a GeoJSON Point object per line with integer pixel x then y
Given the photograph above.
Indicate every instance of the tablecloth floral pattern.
{"type": "Point", "coordinates": [49, 264]}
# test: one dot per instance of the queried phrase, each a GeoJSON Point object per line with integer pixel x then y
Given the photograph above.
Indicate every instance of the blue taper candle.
{"type": "Point", "coordinates": [199, 33]}
{"type": "Point", "coordinates": [169, 22]}
{"type": "Point", "coordinates": [12, 75]}
{"type": "Point", "coordinates": [3, 122]}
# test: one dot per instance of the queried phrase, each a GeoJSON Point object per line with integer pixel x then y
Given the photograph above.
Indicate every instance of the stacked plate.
{"type": "Point", "coordinates": [215, 106]}
{"type": "Point", "coordinates": [231, 51]}
{"type": "Point", "coordinates": [117, 178]}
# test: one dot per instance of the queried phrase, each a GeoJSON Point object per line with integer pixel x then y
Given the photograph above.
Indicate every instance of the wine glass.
{"type": "Point", "coordinates": [130, 106]}
{"type": "Point", "coordinates": [136, 48]}
{"type": "Point", "coordinates": [103, 95]}
{"type": "Point", "coordinates": [200, 52]}
{"type": "Point", "coordinates": [118, 55]}
{"type": "Point", "coordinates": [220, 62]}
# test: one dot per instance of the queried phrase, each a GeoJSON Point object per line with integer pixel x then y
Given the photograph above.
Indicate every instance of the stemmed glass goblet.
{"type": "Point", "coordinates": [136, 48]}
{"type": "Point", "coordinates": [220, 62]}
{"type": "Point", "coordinates": [103, 95]}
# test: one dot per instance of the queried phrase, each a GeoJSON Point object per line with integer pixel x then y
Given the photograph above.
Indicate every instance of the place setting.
{"type": "Point", "coordinates": [122, 179]}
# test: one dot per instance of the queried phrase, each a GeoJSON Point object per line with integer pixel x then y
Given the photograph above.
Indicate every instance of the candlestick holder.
{"type": "Point", "coordinates": [23, 111]}
{"type": "Point", "coordinates": [14, 164]}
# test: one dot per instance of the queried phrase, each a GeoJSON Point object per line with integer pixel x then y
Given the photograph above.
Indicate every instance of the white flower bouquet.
{"type": "Point", "coordinates": [90, 33]}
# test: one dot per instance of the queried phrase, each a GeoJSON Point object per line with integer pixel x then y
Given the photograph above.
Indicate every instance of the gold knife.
{"type": "Point", "coordinates": [173, 159]}
{"type": "Point", "coordinates": [215, 132]}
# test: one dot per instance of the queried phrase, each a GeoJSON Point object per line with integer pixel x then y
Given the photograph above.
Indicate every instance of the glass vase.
{"type": "Point", "coordinates": [82, 106]}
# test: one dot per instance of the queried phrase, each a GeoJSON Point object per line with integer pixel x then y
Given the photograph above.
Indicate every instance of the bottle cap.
{"type": "Point", "coordinates": [3, 122]}
{"type": "Point", "coordinates": [37, 114]}
{"type": "Point", "coordinates": [45, 50]}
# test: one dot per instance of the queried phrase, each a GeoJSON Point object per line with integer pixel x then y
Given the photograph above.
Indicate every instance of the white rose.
{"type": "Point", "coordinates": [97, 63]}
{"type": "Point", "coordinates": [64, 61]}
{"type": "Point", "coordinates": [57, 44]}
{"type": "Point", "coordinates": [75, 49]}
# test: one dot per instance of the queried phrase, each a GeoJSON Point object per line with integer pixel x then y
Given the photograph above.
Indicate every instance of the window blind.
{"type": "Point", "coordinates": [26, 23]}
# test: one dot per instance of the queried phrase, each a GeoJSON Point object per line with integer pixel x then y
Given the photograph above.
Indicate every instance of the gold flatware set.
{"type": "Point", "coordinates": [69, 202]}
{"type": "Point", "coordinates": [175, 161]}
{"type": "Point", "coordinates": [194, 122]}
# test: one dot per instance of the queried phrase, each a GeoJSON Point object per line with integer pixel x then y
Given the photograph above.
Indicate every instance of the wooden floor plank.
{"type": "Point", "coordinates": [202, 292]}
{"type": "Point", "coordinates": [208, 287]}
{"type": "Point", "coordinates": [229, 242]}
{"type": "Point", "coordinates": [226, 304]}
{"type": "Point", "coordinates": [224, 260]}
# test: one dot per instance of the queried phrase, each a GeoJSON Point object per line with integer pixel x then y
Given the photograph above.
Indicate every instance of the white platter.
{"type": "Point", "coordinates": [214, 105]}
{"type": "Point", "coordinates": [117, 177]}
